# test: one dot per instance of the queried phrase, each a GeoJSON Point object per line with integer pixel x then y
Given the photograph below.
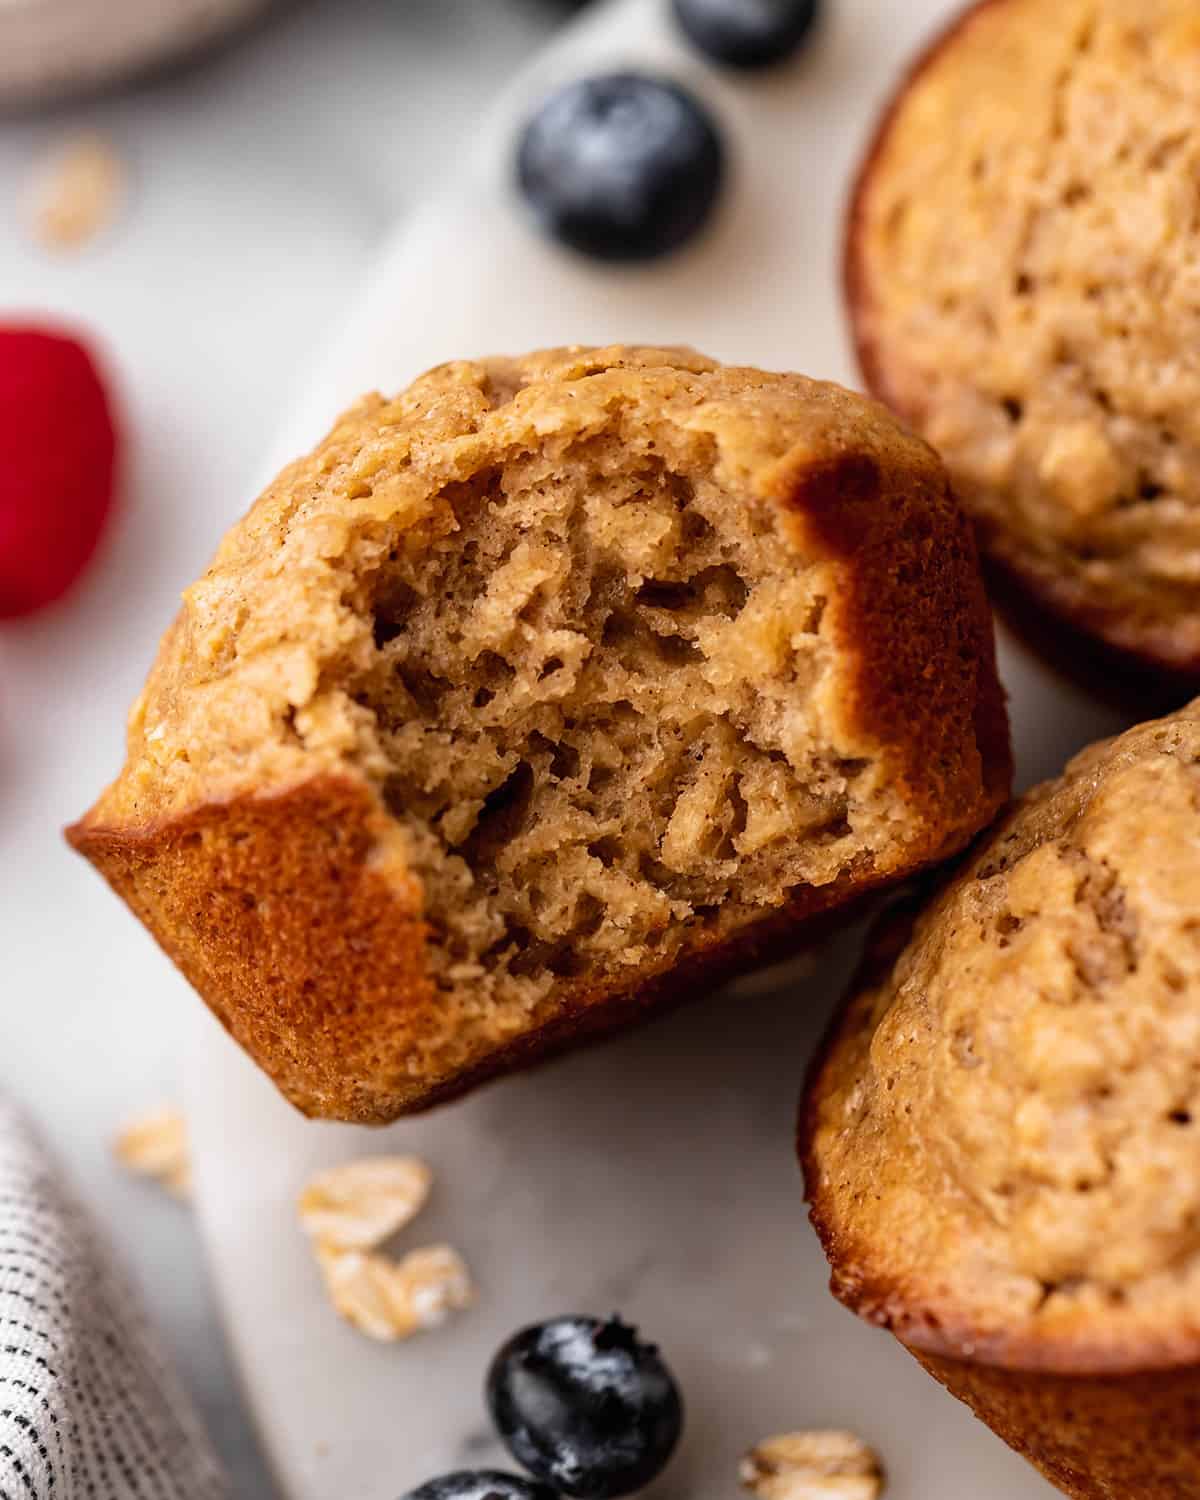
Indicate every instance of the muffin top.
{"type": "Point", "coordinates": [250, 688]}
{"type": "Point", "coordinates": [1003, 1138]}
{"type": "Point", "coordinates": [1023, 277]}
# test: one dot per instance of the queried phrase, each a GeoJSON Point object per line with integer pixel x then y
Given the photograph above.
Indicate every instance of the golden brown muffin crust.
{"type": "Point", "coordinates": [1000, 1140]}
{"type": "Point", "coordinates": [498, 632]}
{"type": "Point", "coordinates": [1020, 279]}
{"type": "Point", "coordinates": [1095, 1438]}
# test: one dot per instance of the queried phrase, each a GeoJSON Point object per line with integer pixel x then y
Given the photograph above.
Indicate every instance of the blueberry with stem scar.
{"type": "Point", "coordinates": [585, 1406]}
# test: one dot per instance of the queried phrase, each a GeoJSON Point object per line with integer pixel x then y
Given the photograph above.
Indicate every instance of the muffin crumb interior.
{"type": "Point", "coordinates": [588, 683]}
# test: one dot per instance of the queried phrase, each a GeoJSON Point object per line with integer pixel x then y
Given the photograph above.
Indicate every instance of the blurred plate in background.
{"type": "Point", "coordinates": [49, 48]}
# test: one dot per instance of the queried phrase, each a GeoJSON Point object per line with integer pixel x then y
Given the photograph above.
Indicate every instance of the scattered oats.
{"type": "Point", "coordinates": [156, 1145]}
{"type": "Point", "coordinates": [76, 192]}
{"type": "Point", "coordinates": [388, 1299]}
{"type": "Point", "coordinates": [351, 1209]}
{"type": "Point", "coordinates": [358, 1205]}
{"type": "Point", "coordinates": [813, 1466]}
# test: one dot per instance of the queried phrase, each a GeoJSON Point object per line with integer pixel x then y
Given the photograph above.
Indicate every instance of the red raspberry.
{"type": "Point", "coordinates": [57, 465]}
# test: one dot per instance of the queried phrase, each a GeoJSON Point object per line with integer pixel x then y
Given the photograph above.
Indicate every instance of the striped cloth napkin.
{"type": "Point", "coordinates": [89, 1409]}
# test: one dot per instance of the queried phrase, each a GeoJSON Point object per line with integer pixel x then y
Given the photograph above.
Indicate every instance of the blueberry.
{"type": "Point", "coordinates": [747, 33]}
{"type": "Point", "coordinates": [621, 167]}
{"type": "Point", "coordinates": [481, 1484]}
{"type": "Point", "coordinates": [584, 1405]}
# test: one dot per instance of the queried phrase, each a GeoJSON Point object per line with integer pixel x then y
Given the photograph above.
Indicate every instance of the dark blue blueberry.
{"type": "Point", "coordinates": [621, 167]}
{"type": "Point", "coordinates": [586, 1406]}
{"type": "Point", "coordinates": [481, 1484]}
{"type": "Point", "coordinates": [747, 33]}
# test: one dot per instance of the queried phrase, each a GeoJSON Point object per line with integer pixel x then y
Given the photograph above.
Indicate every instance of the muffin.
{"type": "Point", "coordinates": [1001, 1137]}
{"type": "Point", "coordinates": [541, 693]}
{"type": "Point", "coordinates": [1020, 277]}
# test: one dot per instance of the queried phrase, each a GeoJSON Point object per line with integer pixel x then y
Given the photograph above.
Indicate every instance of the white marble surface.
{"type": "Point", "coordinates": [261, 183]}
{"type": "Point", "coordinates": [655, 1175]}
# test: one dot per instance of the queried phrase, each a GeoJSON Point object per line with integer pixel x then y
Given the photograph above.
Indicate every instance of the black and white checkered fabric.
{"type": "Point", "coordinates": [88, 1408]}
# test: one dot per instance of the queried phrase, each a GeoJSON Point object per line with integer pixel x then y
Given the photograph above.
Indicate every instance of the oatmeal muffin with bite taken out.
{"type": "Point", "coordinates": [541, 694]}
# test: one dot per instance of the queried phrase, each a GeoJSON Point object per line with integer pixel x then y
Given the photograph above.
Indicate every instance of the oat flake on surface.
{"type": "Point", "coordinates": [155, 1145]}
{"type": "Point", "coordinates": [76, 192]}
{"type": "Point", "coordinates": [814, 1465]}
{"type": "Point", "coordinates": [359, 1204]}
{"type": "Point", "coordinates": [393, 1299]}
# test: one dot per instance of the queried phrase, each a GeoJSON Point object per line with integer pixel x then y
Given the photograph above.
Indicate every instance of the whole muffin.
{"type": "Point", "coordinates": [535, 694]}
{"type": "Point", "coordinates": [1002, 1138]}
{"type": "Point", "coordinates": [1021, 280]}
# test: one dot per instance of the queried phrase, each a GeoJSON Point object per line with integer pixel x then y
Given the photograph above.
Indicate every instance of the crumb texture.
{"type": "Point", "coordinates": [1002, 1149]}
{"type": "Point", "coordinates": [1023, 277]}
{"type": "Point", "coordinates": [625, 652]}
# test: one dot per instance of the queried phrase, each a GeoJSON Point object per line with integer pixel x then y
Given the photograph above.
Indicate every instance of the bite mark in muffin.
{"type": "Point", "coordinates": [538, 691]}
